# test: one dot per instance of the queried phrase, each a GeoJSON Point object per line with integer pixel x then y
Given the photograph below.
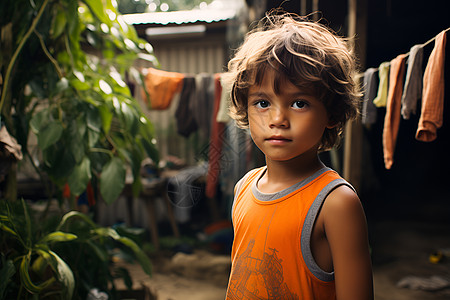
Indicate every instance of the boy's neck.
{"type": "Point", "coordinates": [283, 174]}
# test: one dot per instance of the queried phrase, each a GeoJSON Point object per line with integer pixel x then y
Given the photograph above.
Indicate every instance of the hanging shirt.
{"type": "Point", "coordinates": [202, 107]}
{"type": "Point", "coordinates": [383, 73]}
{"type": "Point", "coordinates": [225, 99]}
{"type": "Point", "coordinates": [186, 123]}
{"type": "Point", "coordinates": [393, 107]}
{"type": "Point", "coordinates": [215, 146]}
{"type": "Point", "coordinates": [431, 117]}
{"type": "Point", "coordinates": [369, 110]}
{"type": "Point", "coordinates": [161, 87]}
{"type": "Point", "coordinates": [413, 82]}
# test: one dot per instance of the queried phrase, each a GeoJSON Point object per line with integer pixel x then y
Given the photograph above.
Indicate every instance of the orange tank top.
{"type": "Point", "coordinates": [271, 254]}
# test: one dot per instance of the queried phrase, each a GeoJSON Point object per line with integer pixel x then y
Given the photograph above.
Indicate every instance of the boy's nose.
{"type": "Point", "coordinates": [278, 118]}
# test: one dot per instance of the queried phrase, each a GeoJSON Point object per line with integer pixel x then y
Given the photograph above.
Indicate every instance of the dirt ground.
{"type": "Point", "coordinates": [401, 251]}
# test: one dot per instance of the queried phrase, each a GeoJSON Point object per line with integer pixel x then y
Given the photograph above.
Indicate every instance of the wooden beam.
{"type": "Point", "coordinates": [357, 24]}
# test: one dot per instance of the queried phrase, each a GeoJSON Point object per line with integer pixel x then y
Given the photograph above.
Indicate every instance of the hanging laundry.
{"type": "Point", "coordinates": [412, 91]}
{"type": "Point", "coordinates": [383, 73]}
{"type": "Point", "coordinates": [431, 117]}
{"type": "Point", "coordinates": [186, 123]}
{"type": "Point", "coordinates": [216, 142]}
{"type": "Point", "coordinates": [225, 99]}
{"type": "Point", "coordinates": [202, 107]}
{"type": "Point", "coordinates": [393, 108]}
{"type": "Point", "coordinates": [161, 87]}
{"type": "Point", "coordinates": [12, 148]}
{"type": "Point", "coordinates": [370, 84]}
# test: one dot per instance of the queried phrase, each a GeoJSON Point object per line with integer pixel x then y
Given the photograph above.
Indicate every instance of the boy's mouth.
{"type": "Point", "coordinates": [278, 139]}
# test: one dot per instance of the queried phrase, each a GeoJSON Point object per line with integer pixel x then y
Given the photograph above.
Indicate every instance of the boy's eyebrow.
{"type": "Point", "coordinates": [293, 94]}
{"type": "Point", "coordinates": [257, 94]}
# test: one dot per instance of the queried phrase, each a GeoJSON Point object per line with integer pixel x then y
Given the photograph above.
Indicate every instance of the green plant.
{"type": "Point", "coordinates": [59, 259]}
{"type": "Point", "coordinates": [64, 65]}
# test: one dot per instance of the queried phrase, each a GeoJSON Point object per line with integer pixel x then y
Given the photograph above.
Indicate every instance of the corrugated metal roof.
{"type": "Point", "coordinates": [180, 17]}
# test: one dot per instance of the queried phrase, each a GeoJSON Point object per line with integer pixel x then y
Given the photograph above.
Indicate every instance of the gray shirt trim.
{"type": "Point", "coordinates": [308, 226]}
{"type": "Point", "coordinates": [274, 196]}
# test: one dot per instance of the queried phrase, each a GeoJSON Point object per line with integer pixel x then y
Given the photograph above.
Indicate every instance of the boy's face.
{"type": "Point", "coordinates": [285, 125]}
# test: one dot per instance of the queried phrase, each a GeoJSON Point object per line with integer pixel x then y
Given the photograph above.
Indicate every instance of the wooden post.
{"type": "Point", "coordinates": [357, 24]}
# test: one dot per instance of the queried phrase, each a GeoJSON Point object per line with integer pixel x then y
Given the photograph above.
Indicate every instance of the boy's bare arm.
{"type": "Point", "coordinates": [346, 231]}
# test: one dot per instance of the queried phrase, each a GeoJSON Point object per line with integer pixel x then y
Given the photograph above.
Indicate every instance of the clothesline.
{"type": "Point", "coordinates": [431, 40]}
{"type": "Point", "coordinates": [201, 105]}
{"type": "Point", "coordinates": [360, 75]}
{"type": "Point", "coordinates": [400, 95]}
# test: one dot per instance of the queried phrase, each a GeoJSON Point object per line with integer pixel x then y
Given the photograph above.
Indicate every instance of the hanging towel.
{"type": "Point", "coordinates": [393, 107]}
{"type": "Point", "coordinates": [225, 99]}
{"type": "Point", "coordinates": [216, 143]}
{"type": "Point", "coordinates": [185, 120]}
{"type": "Point", "coordinates": [161, 87]}
{"type": "Point", "coordinates": [369, 110]}
{"type": "Point", "coordinates": [413, 82]}
{"type": "Point", "coordinates": [383, 73]}
{"type": "Point", "coordinates": [431, 117]}
{"type": "Point", "coordinates": [202, 107]}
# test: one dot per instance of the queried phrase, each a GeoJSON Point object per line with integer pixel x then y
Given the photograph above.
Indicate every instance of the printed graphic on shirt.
{"type": "Point", "coordinates": [259, 278]}
{"type": "Point", "coordinates": [250, 271]}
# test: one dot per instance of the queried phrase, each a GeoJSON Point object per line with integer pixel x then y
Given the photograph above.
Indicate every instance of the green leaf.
{"type": "Point", "coordinates": [63, 272]}
{"type": "Point", "coordinates": [79, 85]}
{"type": "Point", "coordinates": [93, 137]}
{"type": "Point", "coordinates": [106, 116]}
{"type": "Point", "coordinates": [102, 254]}
{"type": "Point", "coordinates": [131, 121]}
{"type": "Point", "coordinates": [73, 20]}
{"type": "Point", "coordinates": [127, 280]}
{"type": "Point", "coordinates": [97, 9]}
{"type": "Point", "coordinates": [39, 265]}
{"type": "Point", "coordinates": [112, 179]}
{"type": "Point", "coordinates": [75, 140]}
{"type": "Point", "coordinates": [75, 214]}
{"type": "Point", "coordinates": [80, 177]}
{"type": "Point", "coordinates": [136, 187]}
{"type": "Point", "coordinates": [26, 279]}
{"type": "Point", "coordinates": [6, 272]}
{"type": "Point", "coordinates": [59, 23]}
{"type": "Point", "coordinates": [140, 255]}
{"type": "Point", "coordinates": [39, 120]}
{"type": "Point", "coordinates": [93, 118]}
{"type": "Point", "coordinates": [107, 232]}
{"type": "Point", "coordinates": [57, 236]}
{"type": "Point", "coordinates": [151, 150]}
{"type": "Point", "coordinates": [7, 229]}
{"type": "Point", "coordinates": [27, 222]}
{"type": "Point", "coordinates": [58, 161]}
{"type": "Point", "coordinates": [50, 134]}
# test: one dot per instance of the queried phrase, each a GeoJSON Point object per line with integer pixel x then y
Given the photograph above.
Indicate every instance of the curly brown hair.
{"type": "Point", "coordinates": [306, 53]}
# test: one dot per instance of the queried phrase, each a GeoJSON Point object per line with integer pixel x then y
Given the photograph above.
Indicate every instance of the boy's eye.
{"type": "Point", "coordinates": [262, 104]}
{"type": "Point", "coordinates": [299, 104]}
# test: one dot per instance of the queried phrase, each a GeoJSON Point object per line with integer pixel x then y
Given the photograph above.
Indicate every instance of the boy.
{"type": "Point", "coordinates": [300, 230]}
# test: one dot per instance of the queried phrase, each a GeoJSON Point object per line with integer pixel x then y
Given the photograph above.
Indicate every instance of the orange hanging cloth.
{"type": "Point", "coordinates": [161, 87]}
{"type": "Point", "coordinates": [215, 147]}
{"type": "Point", "coordinates": [431, 117]}
{"type": "Point", "coordinates": [393, 108]}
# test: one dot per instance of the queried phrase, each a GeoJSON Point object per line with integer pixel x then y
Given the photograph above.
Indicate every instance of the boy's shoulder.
{"type": "Point", "coordinates": [244, 178]}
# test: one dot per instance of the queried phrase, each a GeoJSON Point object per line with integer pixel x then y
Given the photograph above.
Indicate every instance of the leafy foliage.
{"type": "Point", "coordinates": [64, 66]}
{"type": "Point", "coordinates": [62, 260]}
